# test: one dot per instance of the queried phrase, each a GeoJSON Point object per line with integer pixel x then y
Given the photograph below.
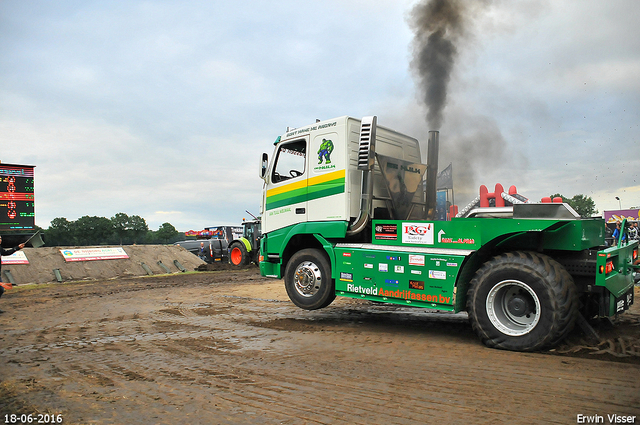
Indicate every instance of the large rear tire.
{"type": "Point", "coordinates": [522, 301]}
{"type": "Point", "coordinates": [308, 280]}
{"type": "Point", "coordinates": [238, 255]}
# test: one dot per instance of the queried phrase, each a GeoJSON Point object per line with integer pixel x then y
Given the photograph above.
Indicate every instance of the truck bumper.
{"type": "Point", "coordinates": [268, 269]}
{"type": "Point", "coordinates": [615, 272]}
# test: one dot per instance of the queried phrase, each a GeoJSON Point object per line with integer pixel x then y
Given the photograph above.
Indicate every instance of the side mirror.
{"type": "Point", "coordinates": [264, 165]}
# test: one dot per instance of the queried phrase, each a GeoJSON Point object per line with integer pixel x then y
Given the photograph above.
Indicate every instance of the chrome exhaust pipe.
{"type": "Point", "coordinates": [433, 148]}
{"type": "Point", "coordinates": [366, 161]}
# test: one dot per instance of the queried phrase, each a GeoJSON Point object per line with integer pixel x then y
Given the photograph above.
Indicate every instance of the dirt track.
{"type": "Point", "coordinates": [229, 348]}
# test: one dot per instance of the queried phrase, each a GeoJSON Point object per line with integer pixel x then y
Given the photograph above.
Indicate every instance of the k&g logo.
{"type": "Point", "coordinates": [417, 229]}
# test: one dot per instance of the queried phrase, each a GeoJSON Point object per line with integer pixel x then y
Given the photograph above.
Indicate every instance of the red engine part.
{"type": "Point", "coordinates": [453, 211]}
{"type": "Point", "coordinates": [548, 200]}
{"type": "Point", "coordinates": [497, 195]}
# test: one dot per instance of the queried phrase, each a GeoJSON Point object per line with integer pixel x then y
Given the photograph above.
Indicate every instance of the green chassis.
{"type": "Point", "coordinates": [437, 274]}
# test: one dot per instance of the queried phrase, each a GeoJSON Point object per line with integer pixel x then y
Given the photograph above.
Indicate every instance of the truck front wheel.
{"type": "Point", "coordinates": [522, 301]}
{"type": "Point", "coordinates": [307, 280]}
{"type": "Point", "coordinates": [238, 255]}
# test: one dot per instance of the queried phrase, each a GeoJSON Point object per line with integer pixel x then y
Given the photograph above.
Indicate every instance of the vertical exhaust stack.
{"type": "Point", "coordinates": [433, 148]}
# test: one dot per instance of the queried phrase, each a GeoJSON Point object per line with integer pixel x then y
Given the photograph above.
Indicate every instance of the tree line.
{"type": "Point", "coordinates": [123, 229]}
{"type": "Point", "coordinates": [582, 204]}
{"type": "Point", "coordinates": [120, 229]}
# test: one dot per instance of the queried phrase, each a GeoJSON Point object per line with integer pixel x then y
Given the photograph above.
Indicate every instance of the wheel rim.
{"type": "Point", "coordinates": [236, 255]}
{"type": "Point", "coordinates": [307, 279]}
{"type": "Point", "coordinates": [513, 307]}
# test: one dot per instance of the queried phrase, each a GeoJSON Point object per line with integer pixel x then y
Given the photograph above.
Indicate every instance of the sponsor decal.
{"type": "Point", "coordinates": [324, 168]}
{"type": "Point", "coordinates": [416, 271]}
{"type": "Point", "coordinates": [347, 277]}
{"type": "Point", "coordinates": [278, 212]}
{"type": "Point", "coordinates": [400, 294]}
{"type": "Point", "coordinates": [416, 284]}
{"type": "Point", "coordinates": [467, 241]}
{"type": "Point", "coordinates": [441, 239]}
{"type": "Point", "coordinates": [416, 260]}
{"type": "Point", "coordinates": [417, 233]}
{"type": "Point", "coordinates": [437, 274]}
{"type": "Point", "coordinates": [404, 167]}
{"type": "Point", "coordinates": [368, 265]}
{"type": "Point", "coordinates": [398, 269]}
{"type": "Point", "coordinates": [324, 153]}
{"type": "Point", "coordinates": [382, 267]}
{"type": "Point", "coordinates": [17, 257]}
{"type": "Point", "coordinates": [452, 264]}
{"type": "Point", "coordinates": [388, 232]}
{"type": "Point", "coordinates": [409, 295]}
{"type": "Point", "coordinates": [346, 254]}
{"type": "Point", "coordinates": [361, 289]}
{"type": "Point", "coordinates": [93, 254]}
{"type": "Point", "coordinates": [394, 282]}
{"type": "Point", "coordinates": [393, 257]}
{"type": "Point", "coordinates": [299, 131]}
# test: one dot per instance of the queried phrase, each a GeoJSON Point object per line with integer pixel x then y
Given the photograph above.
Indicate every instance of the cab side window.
{"type": "Point", "coordinates": [290, 161]}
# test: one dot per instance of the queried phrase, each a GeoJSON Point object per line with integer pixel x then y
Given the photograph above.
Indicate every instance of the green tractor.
{"type": "Point", "coordinates": [246, 250]}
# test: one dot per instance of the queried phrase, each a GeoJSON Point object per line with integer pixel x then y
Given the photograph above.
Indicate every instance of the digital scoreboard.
{"type": "Point", "coordinates": [17, 206]}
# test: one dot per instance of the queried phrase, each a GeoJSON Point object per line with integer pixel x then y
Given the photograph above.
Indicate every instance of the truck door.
{"type": "Point", "coordinates": [286, 197]}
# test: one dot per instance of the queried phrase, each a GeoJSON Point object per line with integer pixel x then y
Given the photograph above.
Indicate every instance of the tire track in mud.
{"type": "Point", "coordinates": [281, 388]}
{"type": "Point", "coordinates": [255, 360]}
{"type": "Point", "coordinates": [271, 388]}
{"type": "Point", "coordinates": [286, 386]}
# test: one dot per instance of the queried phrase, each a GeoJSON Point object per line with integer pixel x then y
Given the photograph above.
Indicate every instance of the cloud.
{"type": "Point", "coordinates": [142, 107]}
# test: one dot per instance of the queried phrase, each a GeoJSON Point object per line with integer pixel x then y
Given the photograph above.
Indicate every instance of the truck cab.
{"type": "Point", "coordinates": [312, 185]}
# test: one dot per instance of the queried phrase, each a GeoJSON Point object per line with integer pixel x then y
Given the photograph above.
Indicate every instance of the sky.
{"type": "Point", "coordinates": [162, 108]}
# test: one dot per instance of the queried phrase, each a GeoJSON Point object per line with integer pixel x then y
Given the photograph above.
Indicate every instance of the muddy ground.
{"type": "Point", "coordinates": [227, 347]}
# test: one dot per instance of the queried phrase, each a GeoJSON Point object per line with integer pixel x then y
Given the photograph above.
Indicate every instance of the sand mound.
{"type": "Point", "coordinates": [43, 261]}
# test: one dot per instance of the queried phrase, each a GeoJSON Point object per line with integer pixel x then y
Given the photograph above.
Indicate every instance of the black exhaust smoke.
{"type": "Point", "coordinates": [438, 24]}
{"type": "Point", "coordinates": [441, 30]}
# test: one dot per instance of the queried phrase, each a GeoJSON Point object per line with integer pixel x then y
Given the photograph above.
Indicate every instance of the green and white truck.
{"type": "Point", "coordinates": [347, 211]}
